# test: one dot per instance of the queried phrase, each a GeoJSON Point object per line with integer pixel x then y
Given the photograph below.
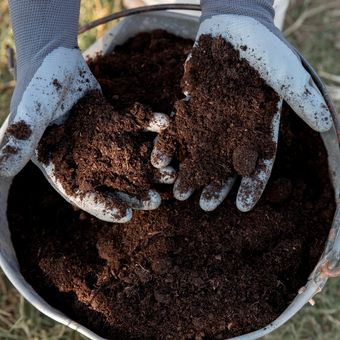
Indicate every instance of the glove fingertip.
{"type": "Point", "coordinates": [252, 188]}
{"type": "Point", "coordinates": [165, 175]}
{"type": "Point", "coordinates": [310, 105]}
{"type": "Point", "coordinates": [158, 123]}
{"type": "Point", "coordinates": [12, 161]}
{"type": "Point", "coordinates": [319, 121]}
{"type": "Point", "coordinates": [207, 205]}
{"type": "Point", "coordinates": [123, 217]}
{"type": "Point", "coordinates": [153, 200]}
{"type": "Point", "coordinates": [245, 200]}
{"type": "Point", "coordinates": [215, 193]}
{"type": "Point", "coordinates": [325, 122]}
{"type": "Point", "coordinates": [180, 192]}
{"type": "Point", "coordinates": [158, 159]}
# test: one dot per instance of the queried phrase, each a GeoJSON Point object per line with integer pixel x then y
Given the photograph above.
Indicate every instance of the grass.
{"type": "Point", "coordinates": [20, 321]}
{"type": "Point", "coordinates": [318, 38]}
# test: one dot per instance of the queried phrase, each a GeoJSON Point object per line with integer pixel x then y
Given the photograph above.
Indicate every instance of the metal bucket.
{"type": "Point", "coordinates": [185, 26]}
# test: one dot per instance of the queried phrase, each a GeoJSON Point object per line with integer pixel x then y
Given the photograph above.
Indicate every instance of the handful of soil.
{"type": "Point", "coordinates": [100, 149]}
{"type": "Point", "coordinates": [102, 146]}
{"type": "Point", "coordinates": [225, 126]}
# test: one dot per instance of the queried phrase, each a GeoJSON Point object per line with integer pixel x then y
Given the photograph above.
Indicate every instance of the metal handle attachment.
{"type": "Point", "coordinates": [329, 272]}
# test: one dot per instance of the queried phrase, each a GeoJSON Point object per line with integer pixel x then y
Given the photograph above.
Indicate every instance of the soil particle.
{"type": "Point", "coordinates": [225, 126]}
{"type": "Point", "coordinates": [279, 190]}
{"type": "Point", "coordinates": [7, 152]}
{"type": "Point", "coordinates": [245, 159]}
{"type": "Point", "coordinates": [179, 272]}
{"type": "Point", "coordinates": [10, 150]}
{"type": "Point", "coordinates": [19, 130]}
{"type": "Point", "coordinates": [57, 84]}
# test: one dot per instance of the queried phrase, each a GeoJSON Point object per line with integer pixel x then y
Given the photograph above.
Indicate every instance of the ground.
{"type": "Point", "coordinates": [313, 26]}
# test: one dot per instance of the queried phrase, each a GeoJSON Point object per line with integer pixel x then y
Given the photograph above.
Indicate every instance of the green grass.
{"type": "Point", "coordinates": [319, 40]}
{"type": "Point", "coordinates": [318, 322]}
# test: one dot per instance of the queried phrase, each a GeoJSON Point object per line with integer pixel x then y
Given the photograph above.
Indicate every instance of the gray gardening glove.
{"type": "Point", "coordinates": [52, 76]}
{"type": "Point", "coordinates": [248, 25]}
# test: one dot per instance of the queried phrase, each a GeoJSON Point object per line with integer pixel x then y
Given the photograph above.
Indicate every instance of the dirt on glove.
{"type": "Point", "coordinates": [19, 130]}
{"type": "Point", "coordinates": [102, 146]}
{"type": "Point", "coordinates": [225, 126]}
{"type": "Point", "coordinates": [179, 272]}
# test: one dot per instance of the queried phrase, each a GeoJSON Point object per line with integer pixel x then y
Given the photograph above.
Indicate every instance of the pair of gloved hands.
{"type": "Point", "coordinates": [52, 76]}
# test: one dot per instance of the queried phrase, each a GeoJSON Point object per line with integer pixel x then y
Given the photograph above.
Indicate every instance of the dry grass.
{"type": "Point", "coordinates": [317, 37]}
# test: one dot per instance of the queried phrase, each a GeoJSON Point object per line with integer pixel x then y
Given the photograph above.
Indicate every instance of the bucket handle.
{"type": "Point", "coordinates": [329, 272]}
{"type": "Point", "coordinates": [138, 10]}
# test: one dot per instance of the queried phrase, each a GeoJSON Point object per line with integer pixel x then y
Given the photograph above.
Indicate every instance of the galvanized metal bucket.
{"type": "Point", "coordinates": [185, 26]}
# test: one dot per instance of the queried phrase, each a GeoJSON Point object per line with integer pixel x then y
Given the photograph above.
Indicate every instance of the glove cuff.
{"type": "Point", "coordinates": [260, 10]}
{"type": "Point", "coordinates": [40, 27]}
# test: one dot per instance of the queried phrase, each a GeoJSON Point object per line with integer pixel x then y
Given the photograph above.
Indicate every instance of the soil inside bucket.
{"type": "Point", "coordinates": [178, 272]}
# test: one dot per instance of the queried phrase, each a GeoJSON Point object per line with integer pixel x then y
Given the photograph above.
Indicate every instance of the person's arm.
{"type": "Point", "coordinates": [40, 27]}
{"type": "Point", "coordinates": [52, 76]}
{"type": "Point", "coordinates": [262, 10]}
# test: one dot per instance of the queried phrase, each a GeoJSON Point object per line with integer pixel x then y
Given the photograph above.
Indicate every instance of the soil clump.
{"type": "Point", "coordinates": [224, 127]}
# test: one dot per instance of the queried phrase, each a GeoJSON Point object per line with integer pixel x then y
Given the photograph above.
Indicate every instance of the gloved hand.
{"type": "Point", "coordinates": [108, 206]}
{"type": "Point", "coordinates": [52, 76]}
{"type": "Point", "coordinates": [250, 23]}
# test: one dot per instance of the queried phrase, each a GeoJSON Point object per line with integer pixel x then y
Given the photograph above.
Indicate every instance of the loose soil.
{"type": "Point", "coordinates": [102, 146]}
{"type": "Point", "coordinates": [19, 130]}
{"type": "Point", "coordinates": [147, 69]}
{"type": "Point", "coordinates": [179, 272]}
{"type": "Point", "coordinates": [225, 126]}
